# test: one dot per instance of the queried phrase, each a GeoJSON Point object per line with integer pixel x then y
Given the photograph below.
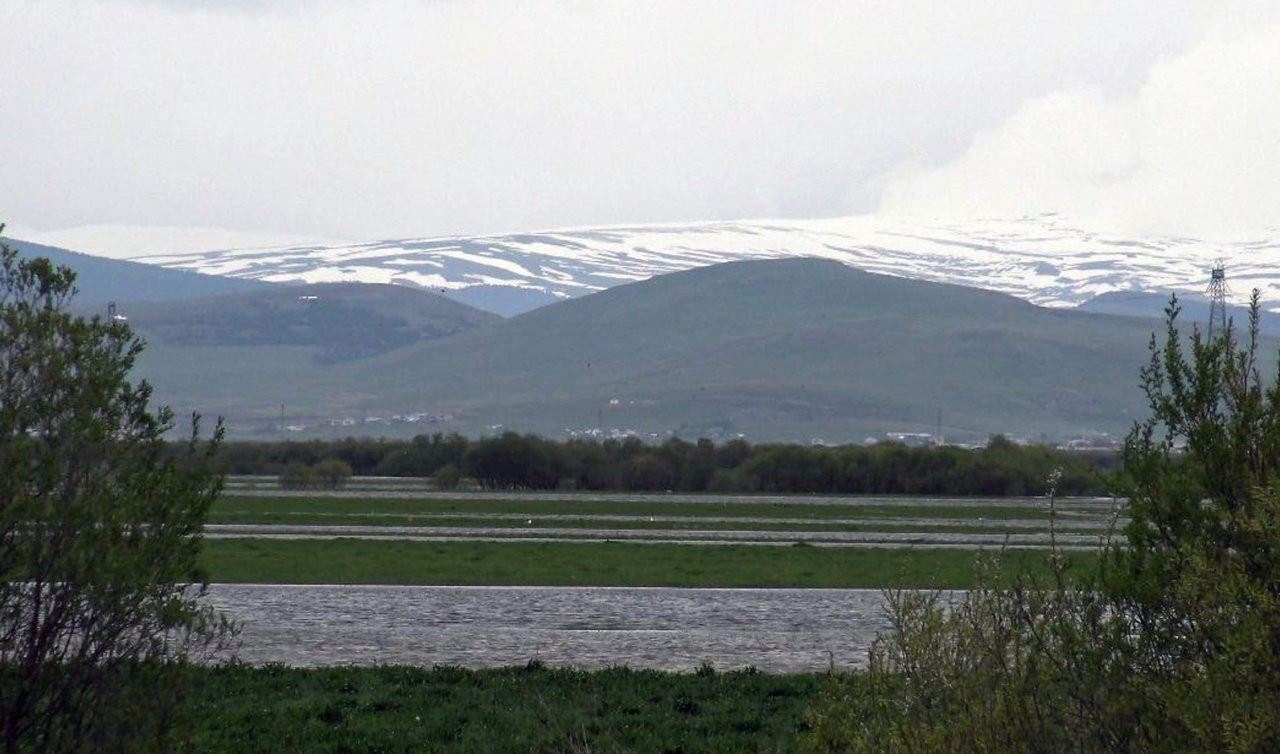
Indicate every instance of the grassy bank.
{"type": "Point", "coordinates": [392, 709]}
{"type": "Point", "coordinates": [353, 561]}
{"type": "Point", "coordinates": [409, 509]}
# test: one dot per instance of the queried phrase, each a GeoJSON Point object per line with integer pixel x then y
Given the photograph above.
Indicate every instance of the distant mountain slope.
{"type": "Point", "coordinates": [1045, 259]}
{"type": "Point", "coordinates": [342, 321]}
{"type": "Point", "coordinates": [787, 349]}
{"type": "Point", "coordinates": [1194, 308]}
{"type": "Point", "coordinates": [100, 280]}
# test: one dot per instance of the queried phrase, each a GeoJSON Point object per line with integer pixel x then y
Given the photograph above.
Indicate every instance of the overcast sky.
{"type": "Point", "coordinates": [281, 119]}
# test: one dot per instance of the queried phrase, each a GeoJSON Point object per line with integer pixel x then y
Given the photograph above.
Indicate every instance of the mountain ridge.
{"type": "Point", "coordinates": [100, 280]}
{"type": "Point", "coordinates": [780, 349]}
{"type": "Point", "coordinates": [1044, 259]}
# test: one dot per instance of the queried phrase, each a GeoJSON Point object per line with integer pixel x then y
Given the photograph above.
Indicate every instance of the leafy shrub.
{"type": "Point", "coordinates": [447, 477]}
{"type": "Point", "coordinates": [1174, 644]}
{"type": "Point", "coordinates": [296, 476]}
{"type": "Point", "coordinates": [100, 531]}
{"type": "Point", "coordinates": [332, 473]}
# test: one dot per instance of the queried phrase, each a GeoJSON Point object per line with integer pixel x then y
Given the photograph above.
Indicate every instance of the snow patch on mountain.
{"type": "Point", "coordinates": [1044, 259]}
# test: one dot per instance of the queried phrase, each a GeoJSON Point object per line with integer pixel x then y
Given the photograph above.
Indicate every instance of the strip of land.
{"type": "Point", "coordinates": [355, 561]}
{"type": "Point", "coordinates": [407, 536]}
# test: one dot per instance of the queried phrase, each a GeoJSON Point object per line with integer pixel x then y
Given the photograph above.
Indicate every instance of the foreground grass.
{"type": "Point", "coordinates": [353, 561]}
{"type": "Point", "coordinates": [532, 709]}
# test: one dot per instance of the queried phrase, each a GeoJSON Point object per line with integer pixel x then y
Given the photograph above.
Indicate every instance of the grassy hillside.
{"type": "Point", "coordinates": [340, 321]}
{"type": "Point", "coordinates": [788, 349]}
{"type": "Point", "coordinates": [804, 346]}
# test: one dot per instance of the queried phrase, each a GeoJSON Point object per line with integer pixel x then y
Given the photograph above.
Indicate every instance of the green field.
{"type": "Point", "coordinates": [420, 538]}
{"type": "Point", "coordinates": [531, 709]}
{"type": "Point", "coordinates": [353, 561]}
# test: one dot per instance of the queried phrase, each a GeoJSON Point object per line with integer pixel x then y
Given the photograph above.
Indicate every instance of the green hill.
{"type": "Point", "coordinates": [341, 321]}
{"type": "Point", "coordinates": [786, 349]}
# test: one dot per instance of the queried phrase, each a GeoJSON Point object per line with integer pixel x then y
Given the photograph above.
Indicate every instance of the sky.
{"type": "Point", "coordinates": [139, 126]}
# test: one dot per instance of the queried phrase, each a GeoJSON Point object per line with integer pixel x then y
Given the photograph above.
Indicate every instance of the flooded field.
{"type": "Point", "coordinates": [775, 630]}
{"type": "Point", "coordinates": [828, 521]}
{"type": "Point", "coordinates": [778, 630]}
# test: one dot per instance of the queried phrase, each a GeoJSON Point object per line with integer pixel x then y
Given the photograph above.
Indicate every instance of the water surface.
{"type": "Point", "coordinates": [775, 630]}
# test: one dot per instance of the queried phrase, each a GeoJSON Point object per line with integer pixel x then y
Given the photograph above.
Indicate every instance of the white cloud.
{"type": "Point", "coordinates": [1195, 151]}
{"type": "Point", "coordinates": [413, 117]}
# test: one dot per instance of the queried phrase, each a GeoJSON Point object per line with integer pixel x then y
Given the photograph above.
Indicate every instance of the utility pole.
{"type": "Point", "coordinates": [1217, 299]}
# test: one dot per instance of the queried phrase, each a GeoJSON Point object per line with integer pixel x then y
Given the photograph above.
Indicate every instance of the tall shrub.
{"type": "Point", "coordinates": [1172, 644]}
{"type": "Point", "coordinates": [99, 530]}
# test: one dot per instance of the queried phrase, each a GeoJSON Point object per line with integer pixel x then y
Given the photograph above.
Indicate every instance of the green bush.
{"type": "Point", "coordinates": [100, 531]}
{"type": "Point", "coordinates": [1173, 644]}
{"type": "Point", "coordinates": [296, 476]}
{"type": "Point", "coordinates": [447, 477]}
{"type": "Point", "coordinates": [331, 473]}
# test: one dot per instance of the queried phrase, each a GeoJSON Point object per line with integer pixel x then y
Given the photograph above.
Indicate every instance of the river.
{"type": "Point", "coordinates": [774, 630]}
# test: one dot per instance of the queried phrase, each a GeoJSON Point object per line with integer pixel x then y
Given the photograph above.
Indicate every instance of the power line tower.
{"type": "Point", "coordinates": [1217, 291]}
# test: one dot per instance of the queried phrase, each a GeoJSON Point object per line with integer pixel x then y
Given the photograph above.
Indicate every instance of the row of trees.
{"type": "Point", "coordinates": [330, 473]}
{"type": "Point", "coordinates": [515, 461]}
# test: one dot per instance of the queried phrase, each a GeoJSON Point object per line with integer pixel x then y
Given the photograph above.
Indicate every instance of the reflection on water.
{"type": "Point", "coordinates": [777, 630]}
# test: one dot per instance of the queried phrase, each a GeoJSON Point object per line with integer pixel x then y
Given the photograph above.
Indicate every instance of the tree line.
{"type": "Point", "coordinates": [530, 462]}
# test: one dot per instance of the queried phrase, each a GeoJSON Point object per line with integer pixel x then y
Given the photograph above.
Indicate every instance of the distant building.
{"type": "Point", "coordinates": [1098, 441]}
{"type": "Point", "coordinates": [913, 439]}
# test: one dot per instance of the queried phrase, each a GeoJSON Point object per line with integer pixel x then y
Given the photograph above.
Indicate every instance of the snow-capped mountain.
{"type": "Point", "coordinates": [1043, 259]}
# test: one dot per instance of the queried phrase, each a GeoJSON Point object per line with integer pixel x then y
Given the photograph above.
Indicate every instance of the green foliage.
{"type": "Point", "coordinates": [511, 461]}
{"type": "Point", "coordinates": [447, 477]}
{"type": "Point", "coordinates": [363, 455]}
{"type": "Point", "coordinates": [423, 456]}
{"type": "Point", "coordinates": [99, 530]}
{"type": "Point", "coordinates": [1204, 555]}
{"type": "Point", "coordinates": [515, 461]}
{"type": "Point", "coordinates": [332, 473]}
{"type": "Point", "coordinates": [1006, 667]}
{"type": "Point", "coordinates": [296, 476]}
{"type": "Point", "coordinates": [329, 473]}
{"type": "Point", "coordinates": [1172, 644]}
